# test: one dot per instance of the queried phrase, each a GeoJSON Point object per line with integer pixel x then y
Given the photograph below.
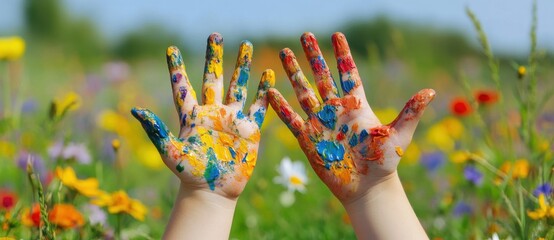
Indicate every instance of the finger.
{"type": "Point", "coordinates": [183, 93]}
{"type": "Point", "coordinates": [302, 88]}
{"type": "Point", "coordinates": [237, 87]}
{"type": "Point", "coordinates": [349, 77]}
{"type": "Point", "coordinates": [259, 107]}
{"type": "Point", "coordinates": [157, 131]}
{"type": "Point", "coordinates": [407, 120]}
{"type": "Point", "coordinates": [285, 111]}
{"type": "Point", "coordinates": [323, 79]}
{"type": "Point", "coordinates": [212, 86]}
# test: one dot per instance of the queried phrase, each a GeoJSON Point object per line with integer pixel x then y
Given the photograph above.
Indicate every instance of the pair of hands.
{"type": "Point", "coordinates": [216, 149]}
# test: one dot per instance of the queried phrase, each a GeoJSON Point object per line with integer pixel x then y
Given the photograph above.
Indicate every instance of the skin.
{"type": "Point", "coordinates": [216, 149]}
{"type": "Point", "coordinates": [350, 150]}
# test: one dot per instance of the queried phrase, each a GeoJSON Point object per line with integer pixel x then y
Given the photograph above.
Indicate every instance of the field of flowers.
{"type": "Point", "coordinates": [74, 164]}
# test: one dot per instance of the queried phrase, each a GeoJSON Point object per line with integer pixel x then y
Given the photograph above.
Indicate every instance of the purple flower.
{"type": "Point", "coordinates": [473, 175]}
{"type": "Point", "coordinates": [461, 209]}
{"type": "Point", "coordinates": [433, 161]}
{"type": "Point", "coordinates": [36, 161]}
{"type": "Point", "coordinates": [544, 188]}
{"type": "Point", "coordinates": [78, 152]}
{"type": "Point", "coordinates": [55, 150]}
{"type": "Point", "coordinates": [95, 214]}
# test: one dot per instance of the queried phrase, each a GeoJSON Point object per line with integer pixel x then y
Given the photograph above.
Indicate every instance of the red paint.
{"type": "Point", "coordinates": [340, 136]}
{"type": "Point", "coordinates": [378, 137]}
{"type": "Point", "coordinates": [346, 64]}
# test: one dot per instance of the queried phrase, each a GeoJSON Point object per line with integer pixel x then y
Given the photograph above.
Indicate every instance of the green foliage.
{"type": "Point", "coordinates": [147, 42]}
{"type": "Point", "coordinates": [45, 18]}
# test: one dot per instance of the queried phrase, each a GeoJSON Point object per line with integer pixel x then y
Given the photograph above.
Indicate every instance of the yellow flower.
{"type": "Point", "coordinates": [459, 157]}
{"type": "Point", "coordinates": [7, 238]}
{"type": "Point", "coordinates": [113, 122]}
{"type": "Point", "coordinates": [149, 156]}
{"type": "Point", "coordinates": [521, 71]}
{"type": "Point", "coordinates": [544, 210]}
{"type": "Point", "coordinates": [70, 102]}
{"type": "Point", "coordinates": [120, 202]}
{"type": "Point", "coordinates": [116, 144]}
{"type": "Point", "coordinates": [7, 149]}
{"type": "Point", "coordinates": [11, 48]}
{"type": "Point", "coordinates": [520, 168]}
{"type": "Point", "coordinates": [87, 187]}
{"type": "Point", "coordinates": [386, 115]}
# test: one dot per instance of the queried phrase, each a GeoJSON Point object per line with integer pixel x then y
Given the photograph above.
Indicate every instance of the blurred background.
{"type": "Point", "coordinates": [101, 58]}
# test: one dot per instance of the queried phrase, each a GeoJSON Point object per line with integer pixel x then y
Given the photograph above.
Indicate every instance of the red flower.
{"type": "Point", "coordinates": [7, 199]}
{"type": "Point", "coordinates": [460, 107]}
{"type": "Point", "coordinates": [486, 97]}
{"type": "Point", "coordinates": [31, 217]}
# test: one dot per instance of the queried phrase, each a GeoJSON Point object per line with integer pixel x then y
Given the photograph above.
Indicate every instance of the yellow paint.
{"type": "Point", "coordinates": [399, 151]}
{"type": "Point", "coordinates": [209, 95]}
{"type": "Point", "coordinates": [344, 173]}
{"type": "Point", "coordinates": [215, 64]}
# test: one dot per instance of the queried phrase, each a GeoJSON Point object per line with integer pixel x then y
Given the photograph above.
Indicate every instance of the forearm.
{"type": "Point", "coordinates": [200, 214]}
{"type": "Point", "coordinates": [384, 212]}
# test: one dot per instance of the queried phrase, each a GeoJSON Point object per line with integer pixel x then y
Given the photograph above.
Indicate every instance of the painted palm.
{"type": "Point", "coordinates": [218, 144]}
{"type": "Point", "coordinates": [345, 142]}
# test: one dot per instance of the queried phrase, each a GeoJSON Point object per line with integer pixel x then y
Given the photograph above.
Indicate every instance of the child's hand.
{"type": "Point", "coordinates": [347, 146]}
{"type": "Point", "coordinates": [217, 145]}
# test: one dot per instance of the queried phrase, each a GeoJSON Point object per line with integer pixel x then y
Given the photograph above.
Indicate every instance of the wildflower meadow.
{"type": "Point", "coordinates": [75, 164]}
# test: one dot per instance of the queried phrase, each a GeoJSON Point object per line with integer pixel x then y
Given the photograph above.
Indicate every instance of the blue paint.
{"type": "Point", "coordinates": [233, 153]}
{"type": "Point", "coordinates": [244, 158]}
{"type": "Point", "coordinates": [157, 131]}
{"type": "Point", "coordinates": [327, 116]}
{"type": "Point", "coordinates": [347, 85]}
{"type": "Point", "coordinates": [240, 115]}
{"type": "Point", "coordinates": [238, 95]}
{"type": "Point", "coordinates": [193, 125]}
{"type": "Point", "coordinates": [212, 172]}
{"type": "Point", "coordinates": [344, 128]}
{"type": "Point", "coordinates": [353, 140]}
{"type": "Point", "coordinates": [330, 151]}
{"type": "Point", "coordinates": [183, 119]}
{"type": "Point", "coordinates": [259, 116]}
{"type": "Point", "coordinates": [183, 91]}
{"type": "Point", "coordinates": [243, 76]}
{"type": "Point", "coordinates": [363, 135]}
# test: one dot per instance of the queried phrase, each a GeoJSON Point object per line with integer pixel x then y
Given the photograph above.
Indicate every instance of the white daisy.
{"type": "Point", "coordinates": [292, 175]}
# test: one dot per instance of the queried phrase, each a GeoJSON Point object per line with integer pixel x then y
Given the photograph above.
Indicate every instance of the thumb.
{"type": "Point", "coordinates": [157, 130]}
{"type": "Point", "coordinates": [407, 120]}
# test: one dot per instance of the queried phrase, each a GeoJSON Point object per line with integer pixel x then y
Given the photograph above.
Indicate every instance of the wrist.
{"type": "Point", "coordinates": [378, 188]}
{"type": "Point", "coordinates": [205, 197]}
{"type": "Point", "coordinates": [197, 212]}
{"type": "Point", "coordinates": [384, 212]}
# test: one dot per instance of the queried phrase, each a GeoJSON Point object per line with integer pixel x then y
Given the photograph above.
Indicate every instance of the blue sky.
{"type": "Point", "coordinates": [507, 22]}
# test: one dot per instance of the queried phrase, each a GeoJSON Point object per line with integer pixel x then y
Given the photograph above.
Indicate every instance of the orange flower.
{"type": "Point", "coordinates": [65, 216]}
{"type": "Point", "coordinates": [460, 107]}
{"type": "Point", "coordinates": [120, 202]}
{"type": "Point", "coordinates": [31, 217]}
{"type": "Point", "coordinates": [7, 199]}
{"type": "Point", "coordinates": [520, 168]}
{"type": "Point", "coordinates": [486, 97]}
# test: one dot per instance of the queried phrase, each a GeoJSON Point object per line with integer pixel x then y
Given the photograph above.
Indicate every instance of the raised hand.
{"type": "Point", "coordinates": [346, 144]}
{"type": "Point", "coordinates": [217, 145]}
